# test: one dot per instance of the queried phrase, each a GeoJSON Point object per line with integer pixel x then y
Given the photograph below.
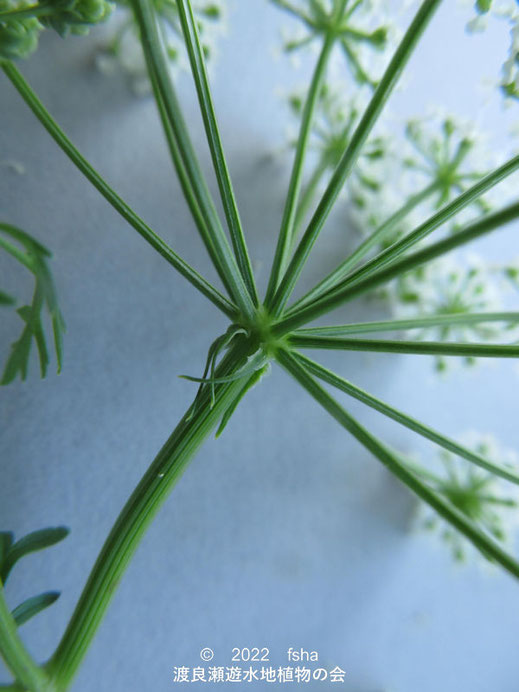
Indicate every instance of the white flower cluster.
{"type": "Point", "coordinates": [448, 152]}
{"type": "Point", "coordinates": [445, 155]}
{"type": "Point", "coordinates": [442, 155]}
{"type": "Point", "coordinates": [491, 502]}
{"type": "Point", "coordinates": [451, 285]}
{"type": "Point", "coordinates": [366, 34]}
{"type": "Point", "coordinates": [336, 116]}
{"type": "Point", "coordinates": [509, 11]}
{"type": "Point", "coordinates": [124, 49]}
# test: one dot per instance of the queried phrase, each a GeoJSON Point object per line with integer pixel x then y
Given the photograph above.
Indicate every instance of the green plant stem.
{"type": "Point", "coordinates": [137, 515]}
{"type": "Point", "coordinates": [349, 158]}
{"type": "Point", "coordinates": [359, 73]}
{"type": "Point", "coordinates": [295, 12]}
{"type": "Point", "coordinates": [223, 177]}
{"type": "Point", "coordinates": [158, 68]}
{"type": "Point", "coordinates": [307, 197]}
{"type": "Point", "coordinates": [331, 280]}
{"type": "Point", "coordinates": [187, 188]}
{"type": "Point", "coordinates": [421, 471]}
{"type": "Point", "coordinates": [400, 417]}
{"type": "Point", "coordinates": [359, 35]}
{"type": "Point", "coordinates": [391, 461]}
{"type": "Point", "coordinates": [19, 661]}
{"type": "Point", "coordinates": [343, 294]}
{"type": "Point", "coordinates": [441, 348]}
{"type": "Point", "coordinates": [111, 196]}
{"type": "Point", "coordinates": [287, 230]}
{"type": "Point", "coordinates": [412, 323]}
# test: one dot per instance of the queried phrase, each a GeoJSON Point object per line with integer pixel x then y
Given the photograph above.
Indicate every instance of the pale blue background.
{"type": "Point", "coordinates": [284, 532]}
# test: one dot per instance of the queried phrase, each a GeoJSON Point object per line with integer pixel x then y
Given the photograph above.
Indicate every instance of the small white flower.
{"type": "Point", "coordinates": [336, 117]}
{"type": "Point", "coordinates": [477, 24]}
{"type": "Point", "coordinates": [124, 50]}
{"type": "Point", "coordinates": [507, 10]}
{"type": "Point", "coordinates": [491, 502]}
{"type": "Point", "coordinates": [366, 39]}
{"type": "Point", "coordinates": [441, 152]}
{"type": "Point", "coordinates": [451, 285]}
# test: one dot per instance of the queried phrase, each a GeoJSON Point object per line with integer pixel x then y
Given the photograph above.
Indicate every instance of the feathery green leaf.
{"type": "Point", "coordinates": [34, 605]}
{"type": "Point", "coordinates": [37, 540]}
{"type": "Point", "coordinates": [34, 256]}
